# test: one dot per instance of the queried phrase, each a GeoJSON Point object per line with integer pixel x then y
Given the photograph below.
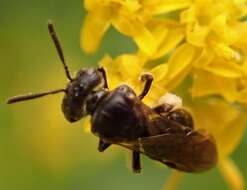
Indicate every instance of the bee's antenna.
{"type": "Point", "coordinates": [59, 48]}
{"type": "Point", "coordinates": [21, 98]}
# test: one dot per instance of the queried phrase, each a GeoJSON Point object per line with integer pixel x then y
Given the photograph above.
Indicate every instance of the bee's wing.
{"type": "Point", "coordinates": [130, 144]}
{"type": "Point", "coordinates": [165, 139]}
{"type": "Point", "coordinates": [191, 152]}
{"type": "Point", "coordinates": [177, 138]}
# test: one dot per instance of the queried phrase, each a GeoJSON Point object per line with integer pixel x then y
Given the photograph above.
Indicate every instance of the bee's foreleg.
{"type": "Point", "coordinates": [136, 162]}
{"type": "Point", "coordinates": [102, 145]}
{"type": "Point", "coordinates": [148, 79]}
{"type": "Point", "coordinates": [102, 70]}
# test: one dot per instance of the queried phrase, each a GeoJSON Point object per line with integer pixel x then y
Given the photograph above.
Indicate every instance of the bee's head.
{"type": "Point", "coordinates": [78, 89]}
{"type": "Point", "coordinates": [77, 92]}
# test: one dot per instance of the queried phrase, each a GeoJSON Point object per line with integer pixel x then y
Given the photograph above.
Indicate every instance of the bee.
{"type": "Point", "coordinates": [163, 133]}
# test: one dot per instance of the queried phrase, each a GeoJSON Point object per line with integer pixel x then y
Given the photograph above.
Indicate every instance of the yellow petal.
{"type": "Point", "coordinates": [129, 5]}
{"type": "Point", "coordinates": [173, 181]}
{"type": "Point", "coordinates": [188, 15]}
{"type": "Point", "coordinates": [198, 36]}
{"type": "Point", "coordinates": [224, 68]}
{"type": "Point", "coordinates": [165, 6]}
{"type": "Point", "coordinates": [240, 30]}
{"type": "Point", "coordinates": [114, 80]}
{"type": "Point", "coordinates": [146, 42]}
{"type": "Point", "coordinates": [170, 35]}
{"type": "Point", "coordinates": [136, 29]}
{"type": "Point", "coordinates": [205, 10]}
{"type": "Point", "coordinates": [205, 57]}
{"type": "Point", "coordinates": [179, 65]}
{"type": "Point", "coordinates": [128, 24]}
{"type": "Point", "coordinates": [95, 25]}
{"type": "Point", "coordinates": [224, 51]}
{"type": "Point", "coordinates": [242, 96]}
{"type": "Point", "coordinates": [143, 58]}
{"type": "Point", "coordinates": [158, 28]}
{"type": "Point", "coordinates": [153, 96]}
{"type": "Point", "coordinates": [108, 63]}
{"type": "Point", "coordinates": [222, 120]}
{"type": "Point", "coordinates": [173, 38]}
{"type": "Point", "coordinates": [86, 123]}
{"type": "Point", "coordinates": [129, 66]}
{"type": "Point", "coordinates": [90, 4]}
{"type": "Point", "coordinates": [219, 26]}
{"type": "Point", "coordinates": [231, 174]}
{"type": "Point", "coordinates": [206, 83]}
{"type": "Point", "coordinates": [159, 72]}
{"type": "Point", "coordinates": [234, 130]}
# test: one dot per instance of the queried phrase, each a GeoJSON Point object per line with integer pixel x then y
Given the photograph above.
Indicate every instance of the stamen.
{"type": "Point", "coordinates": [173, 181]}
{"type": "Point", "coordinates": [231, 174]}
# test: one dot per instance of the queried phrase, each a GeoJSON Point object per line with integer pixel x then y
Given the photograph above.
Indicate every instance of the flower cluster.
{"type": "Point", "coordinates": [196, 48]}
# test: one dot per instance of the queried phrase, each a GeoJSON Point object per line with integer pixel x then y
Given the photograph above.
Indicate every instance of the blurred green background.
{"type": "Point", "coordinates": [39, 149]}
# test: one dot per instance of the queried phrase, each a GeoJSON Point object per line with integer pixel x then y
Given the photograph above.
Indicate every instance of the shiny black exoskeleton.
{"type": "Point", "coordinates": [79, 90]}
{"type": "Point", "coordinates": [120, 117]}
{"type": "Point", "coordinates": [114, 113]}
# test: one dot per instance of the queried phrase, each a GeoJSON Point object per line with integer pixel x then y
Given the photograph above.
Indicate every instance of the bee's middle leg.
{"type": "Point", "coordinates": [136, 161]}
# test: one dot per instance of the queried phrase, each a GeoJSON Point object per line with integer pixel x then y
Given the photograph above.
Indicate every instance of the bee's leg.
{"type": "Point", "coordinates": [148, 78]}
{"type": "Point", "coordinates": [163, 108]}
{"type": "Point", "coordinates": [102, 70]}
{"type": "Point", "coordinates": [179, 115]}
{"type": "Point", "coordinates": [102, 145]}
{"type": "Point", "coordinates": [136, 162]}
{"type": "Point", "coordinates": [182, 116]}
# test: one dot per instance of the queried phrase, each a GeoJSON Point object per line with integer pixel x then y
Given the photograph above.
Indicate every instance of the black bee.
{"type": "Point", "coordinates": [120, 117]}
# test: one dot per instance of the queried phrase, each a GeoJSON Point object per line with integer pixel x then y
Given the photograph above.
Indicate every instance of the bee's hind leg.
{"type": "Point", "coordinates": [180, 115]}
{"type": "Point", "coordinates": [163, 108]}
{"type": "Point", "coordinates": [136, 162]}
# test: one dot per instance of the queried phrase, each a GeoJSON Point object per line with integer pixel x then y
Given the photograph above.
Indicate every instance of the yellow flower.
{"type": "Point", "coordinates": [215, 35]}
{"type": "Point", "coordinates": [127, 16]}
{"type": "Point", "coordinates": [214, 29]}
{"type": "Point", "coordinates": [223, 120]}
{"type": "Point", "coordinates": [205, 47]}
{"type": "Point", "coordinates": [127, 69]}
{"type": "Point", "coordinates": [211, 30]}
